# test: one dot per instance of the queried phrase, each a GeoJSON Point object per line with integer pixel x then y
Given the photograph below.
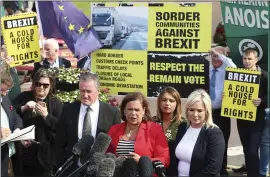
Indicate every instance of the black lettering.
{"type": "Point", "coordinates": [250, 115]}
{"type": "Point", "coordinates": [158, 33]}
{"type": "Point", "coordinates": [158, 15]}
{"type": "Point", "coordinates": [226, 111]}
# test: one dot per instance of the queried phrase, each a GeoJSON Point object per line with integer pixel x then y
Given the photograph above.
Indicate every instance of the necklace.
{"type": "Point", "coordinates": [130, 131]}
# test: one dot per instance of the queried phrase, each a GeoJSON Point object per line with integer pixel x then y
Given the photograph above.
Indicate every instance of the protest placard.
{"type": "Point", "coordinates": [21, 38]}
{"type": "Point", "coordinates": [148, 46]}
{"type": "Point", "coordinates": [246, 25]}
{"type": "Point", "coordinates": [241, 86]}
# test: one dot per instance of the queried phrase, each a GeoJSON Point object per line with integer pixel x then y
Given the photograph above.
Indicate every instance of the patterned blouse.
{"type": "Point", "coordinates": [171, 131]}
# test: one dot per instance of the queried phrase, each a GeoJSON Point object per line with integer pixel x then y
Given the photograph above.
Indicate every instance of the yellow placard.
{"type": "Point", "coordinates": [121, 71]}
{"type": "Point", "coordinates": [241, 86]}
{"type": "Point", "coordinates": [21, 38]}
{"type": "Point", "coordinates": [175, 28]}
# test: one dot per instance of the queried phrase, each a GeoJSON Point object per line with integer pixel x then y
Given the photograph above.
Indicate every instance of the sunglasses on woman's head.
{"type": "Point", "coordinates": [38, 84]}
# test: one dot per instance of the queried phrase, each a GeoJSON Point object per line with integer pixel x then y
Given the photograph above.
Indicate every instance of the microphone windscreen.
{"type": "Point", "coordinates": [94, 163]}
{"type": "Point", "coordinates": [145, 166]}
{"type": "Point", "coordinates": [101, 143]}
{"type": "Point", "coordinates": [118, 166]}
{"type": "Point", "coordinates": [83, 146]}
{"type": "Point", "coordinates": [110, 155]}
{"type": "Point", "coordinates": [159, 168]}
{"type": "Point", "coordinates": [106, 167]}
{"type": "Point", "coordinates": [129, 168]}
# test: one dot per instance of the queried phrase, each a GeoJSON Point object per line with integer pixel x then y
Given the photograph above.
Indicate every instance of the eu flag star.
{"type": "Point", "coordinates": [65, 18]}
{"type": "Point", "coordinates": [88, 26]}
{"type": "Point", "coordinates": [61, 7]}
{"type": "Point", "coordinates": [81, 29]}
{"type": "Point", "coordinates": [71, 27]}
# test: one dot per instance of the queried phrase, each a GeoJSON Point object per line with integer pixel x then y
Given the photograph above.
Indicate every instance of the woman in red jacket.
{"type": "Point", "coordinates": [137, 136]}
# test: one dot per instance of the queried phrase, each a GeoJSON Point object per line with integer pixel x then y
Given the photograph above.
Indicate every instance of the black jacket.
{"type": "Point", "coordinates": [62, 63]}
{"type": "Point", "coordinates": [45, 130]}
{"type": "Point", "coordinates": [67, 129]}
{"type": "Point", "coordinates": [14, 122]}
{"type": "Point", "coordinates": [207, 155]}
{"type": "Point", "coordinates": [81, 62]}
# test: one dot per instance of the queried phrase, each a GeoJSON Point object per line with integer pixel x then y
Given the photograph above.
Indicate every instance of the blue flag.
{"type": "Point", "coordinates": [65, 21]}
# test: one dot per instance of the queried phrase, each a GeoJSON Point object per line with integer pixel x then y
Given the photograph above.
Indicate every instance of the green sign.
{"type": "Point", "coordinates": [246, 26]}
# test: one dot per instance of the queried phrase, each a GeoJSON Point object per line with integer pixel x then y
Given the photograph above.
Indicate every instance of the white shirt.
{"type": "Point", "coordinates": [220, 78]}
{"type": "Point", "coordinates": [5, 124]}
{"type": "Point", "coordinates": [94, 118]}
{"type": "Point", "coordinates": [55, 64]}
{"type": "Point", "coordinates": [184, 150]}
{"type": "Point", "coordinates": [87, 64]}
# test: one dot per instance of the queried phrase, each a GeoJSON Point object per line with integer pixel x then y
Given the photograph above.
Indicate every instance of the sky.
{"type": "Point", "coordinates": [133, 11]}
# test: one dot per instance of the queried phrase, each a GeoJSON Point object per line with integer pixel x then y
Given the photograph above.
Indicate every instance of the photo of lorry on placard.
{"type": "Point", "coordinates": [108, 25]}
{"type": "Point", "coordinates": [121, 27]}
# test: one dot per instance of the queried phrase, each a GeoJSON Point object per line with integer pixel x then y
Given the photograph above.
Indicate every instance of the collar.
{"type": "Point", "coordinates": [218, 69]}
{"type": "Point", "coordinates": [94, 106]}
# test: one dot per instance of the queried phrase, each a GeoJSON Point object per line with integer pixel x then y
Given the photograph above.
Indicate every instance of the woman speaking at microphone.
{"type": "Point", "coordinates": [41, 108]}
{"type": "Point", "coordinates": [137, 136]}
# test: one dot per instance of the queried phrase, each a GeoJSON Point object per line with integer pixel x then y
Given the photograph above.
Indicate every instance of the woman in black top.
{"type": "Point", "coordinates": [41, 108]}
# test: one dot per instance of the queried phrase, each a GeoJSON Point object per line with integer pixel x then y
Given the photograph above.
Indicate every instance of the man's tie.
{"type": "Point", "coordinates": [213, 85]}
{"type": "Point", "coordinates": [87, 122]}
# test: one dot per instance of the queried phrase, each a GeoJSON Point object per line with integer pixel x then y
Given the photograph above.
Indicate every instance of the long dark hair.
{"type": "Point", "coordinates": [45, 73]}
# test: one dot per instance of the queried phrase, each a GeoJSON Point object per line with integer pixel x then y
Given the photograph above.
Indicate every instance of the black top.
{"type": "Point", "coordinates": [208, 151]}
{"type": "Point", "coordinates": [45, 130]}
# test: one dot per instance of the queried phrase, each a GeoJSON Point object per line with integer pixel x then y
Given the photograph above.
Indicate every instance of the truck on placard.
{"type": "Point", "coordinates": [108, 25]}
{"type": "Point", "coordinates": [124, 30]}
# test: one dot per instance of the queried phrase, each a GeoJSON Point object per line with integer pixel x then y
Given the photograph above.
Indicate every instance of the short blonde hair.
{"type": "Point", "coordinates": [200, 95]}
{"type": "Point", "coordinates": [52, 42]}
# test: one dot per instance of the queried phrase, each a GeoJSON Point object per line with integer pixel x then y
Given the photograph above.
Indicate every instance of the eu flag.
{"type": "Point", "coordinates": [65, 21]}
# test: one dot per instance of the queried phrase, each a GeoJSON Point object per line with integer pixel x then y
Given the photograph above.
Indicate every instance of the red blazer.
{"type": "Point", "coordinates": [150, 141]}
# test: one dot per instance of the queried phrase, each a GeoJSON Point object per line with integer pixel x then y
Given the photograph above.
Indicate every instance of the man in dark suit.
{"type": "Point", "coordinates": [87, 116]}
{"type": "Point", "coordinates": [50, 58]}
{"type": "Point", "coordinates": [84, 63]}
{"type": "Point", "coordinates": [10, 122]}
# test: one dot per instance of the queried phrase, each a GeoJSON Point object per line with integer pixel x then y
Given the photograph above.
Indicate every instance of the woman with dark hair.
{"type": "Point", "coordinates": [138, 136]}
{"type": "Point", "coordinates": [169, 116]}
{"type": "Point", "coordinates": [41, 108]}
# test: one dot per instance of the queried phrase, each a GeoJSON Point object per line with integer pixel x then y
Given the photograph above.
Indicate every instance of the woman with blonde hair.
{"type": "Point", "coordinates": [200, 143]}
{"type": "Point", "coordinates": [169, 116]}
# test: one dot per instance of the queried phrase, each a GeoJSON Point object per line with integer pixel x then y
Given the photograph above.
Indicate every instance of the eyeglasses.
{"type": "Point", "coordinates": [38, 84]}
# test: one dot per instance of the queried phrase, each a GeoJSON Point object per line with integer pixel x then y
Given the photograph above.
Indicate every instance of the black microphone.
{"type": "Point", "coordinates": [106, 167]}
{"type": "Point", "coordinates": [129, 168]}
{"type": "Point", "coordinates": [145, 166]}
{"type": "Point", "coordinates": [101, 144]}
{"type": "Point", "coordinates": [118, 166]}
{"type": "Point", "coordinates": [94, 163]}
{"type": "Point", "coordinates": [81, 148]}
{"type": "Point", "coordinates": [159, 168]}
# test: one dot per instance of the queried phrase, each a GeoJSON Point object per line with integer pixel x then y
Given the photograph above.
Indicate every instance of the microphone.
{"type": "Point", "coordinates": [81, 148]}
{"type": "Point", "coordinates": [101, 144]}
{"type": "Point", "coordinates": [118, 166]}
{"type": "Point", "coordinates": [111, 155]}
{"type": "Point", "coordinates": [159, 168]}
{"type": "Point", "coordinates": [94, 163]}
{"type": "Point", "coordinates": [145, 166]}
{"type": "Point", "coordinates": [129, 168]}
{"type": "Point", "coordinates": [106, 167]}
